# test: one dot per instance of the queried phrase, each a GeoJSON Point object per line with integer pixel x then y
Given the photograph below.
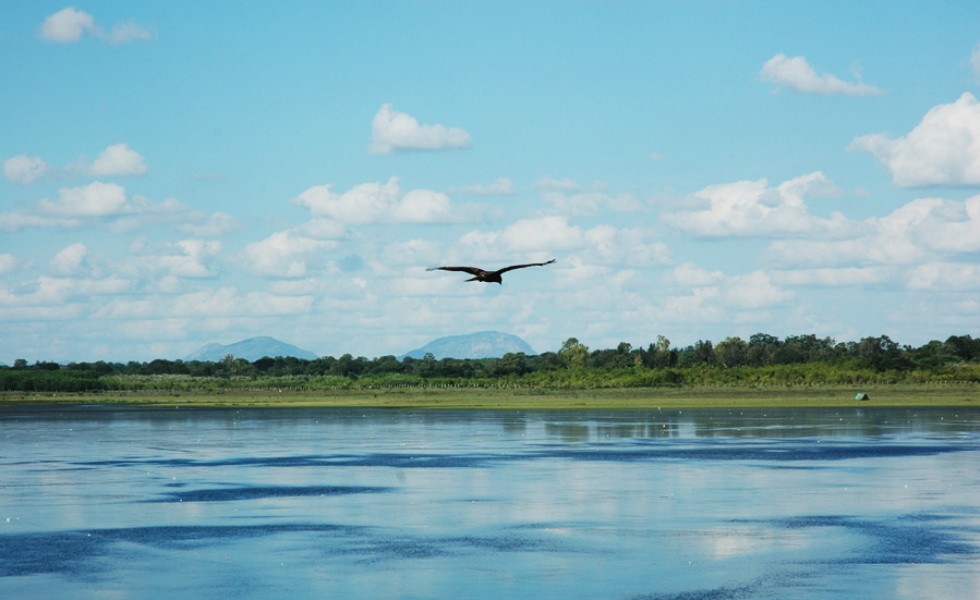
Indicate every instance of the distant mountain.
{"type": "Point", "coordinates": [251, 349]}
{"type": "Point", "coordinates": [484, 344]}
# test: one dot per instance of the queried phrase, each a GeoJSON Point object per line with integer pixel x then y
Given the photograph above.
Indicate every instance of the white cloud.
{"type": "Point", "coordinates": [542, 238]}
{"type": "Point", "coordinates": [166, 266]}
{"type": "Point", "coordinates": [715, 293]}
{"type": "Point", "coordinates": [364, 203]}
{"type": "Point", "coordinates": [8, 262]}
{"type": "Point", "coordinates": [15, 221]}
{"type": "Point", "coordinates": [422, 206]}
{"type": "Point", "coordinates": [691, 275]}
{"type": "Point", "coordinates": [190, 262]}
{"type": "Point", "coordinates": [884, 241]}
{"type": "Point", "coordinates": [916, 244]}
{"type": "Point", "coordinates": [69, 259]}
{"type": "Point", "coordinates": [96, 199]}
{"type": "Point", "coordinates": [124, 33]}
{"type": "Point", "coordinates": [943, 149]}
{"type": "Point", "coordinates": [751, 208]}
{"type": "Point", "coordinates": [412, 253]}
{"type": "Point", "coordinates": [393, 131]}
{"type": "Point", "coordinates": [71, 25]}
{"type": "Point", "coordinates": [369, 203]}
{"type": "Point", "coordinates": [946, 225]}
{"type": "Point", "coordinates": [118, 160]}
{"type": "Point", "coordinates": [945, 276]}
{"type": "Point", "coordinates": [67, 25]}
{"type": "Point", "coordinates": [24, 169]}
{"type": "Point", "coordinates": [212, 302]}
{"type": "Point", "coordinates": [637, 247]}
{"type": "Point", "coordinates": [753, 291]}
{"type": "Point", "coordinates": [540, 235]}
{"type": "Point", "coordinates": [287, 254]}
{"type": "Point", "coordinates": [797, 74]}
{"type": "Point", "coordinates": [108, 203]}
{"type": "Point", "coordinates": [60, 292]}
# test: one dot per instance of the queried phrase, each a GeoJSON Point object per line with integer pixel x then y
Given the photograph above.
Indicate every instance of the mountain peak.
{"type": "Point", "coordinates": [482, 344]}
{"type": "Point", "coordinates": [251, 349]}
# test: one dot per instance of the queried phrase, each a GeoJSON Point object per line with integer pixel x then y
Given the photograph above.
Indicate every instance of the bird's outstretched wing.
{"type": "Point", "coordinates": [470, 270]}
{"type": "Point", "coordinates": [512, 267]}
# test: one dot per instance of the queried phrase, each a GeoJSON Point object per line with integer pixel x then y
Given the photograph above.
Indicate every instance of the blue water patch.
{"type": "Point", "coordinates": [814, 450]}
{"type": "Point", "coordinates": [401, 461]}
{"type": "Point", "coordinates": [911, 539]}
{"type": "Point", "coordinates": [71, 552]}
{"type": "Point", "coordinates": [414, 504]}
{"type": "Point", "coordinates": [262, 492]}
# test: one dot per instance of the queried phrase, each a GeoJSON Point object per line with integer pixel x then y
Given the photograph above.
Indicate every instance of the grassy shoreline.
{"type": "Point", "coordinates": [902, 395]}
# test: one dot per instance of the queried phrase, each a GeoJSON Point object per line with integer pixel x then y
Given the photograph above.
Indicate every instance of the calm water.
{"type": "Point", "coordinates": [858, 503]}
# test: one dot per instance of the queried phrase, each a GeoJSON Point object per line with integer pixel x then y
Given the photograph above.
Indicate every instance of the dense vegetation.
{"type": "Point", "coordinates": [763, 360]}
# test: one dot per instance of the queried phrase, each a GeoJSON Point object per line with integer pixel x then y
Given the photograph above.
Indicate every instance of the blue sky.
{"type": "Point", "coordinates": [178, 173]}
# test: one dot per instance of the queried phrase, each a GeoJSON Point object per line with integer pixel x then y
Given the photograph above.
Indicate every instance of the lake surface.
{"type": "Point", "coordinates": [682, 505]}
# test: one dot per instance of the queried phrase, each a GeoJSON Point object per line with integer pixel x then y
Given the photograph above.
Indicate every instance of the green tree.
{"type": "Point", "coordinates": [732, 352]}
{"type": "Point", "coordinates": [573, 353]}
{"type": "Point", "coordinates": [703, 353]}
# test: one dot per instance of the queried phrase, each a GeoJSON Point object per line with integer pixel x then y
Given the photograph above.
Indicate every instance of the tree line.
{"type": "Point", "coordinates": [761, 360]}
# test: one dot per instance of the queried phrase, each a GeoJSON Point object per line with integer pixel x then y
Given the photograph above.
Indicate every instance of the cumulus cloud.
{"type": "Point", "coordinates": [943, 149]}
{"type": "Point", "coordinates": [899, 246]}
{"type": "Point", "coordinates": [8, 262]}
{"type": "Point", "coordinates": [118, 160]}
{"type": "Point", "coordinates": [67, 25]}
{"type": "Point", "coordinates": [422, 206]}
{"type": "Point", "coordinates": [70, 25]}
{"type": "Point", "coordinates": [109, 205]}
{"type": "Point", "coordinates": [878, 241]}
{"type": "Point", "coordinates": [944, 275]}
{"type": "Point", "coordinates": [59, 294]}
{"type": "Point", "coordinates": [96, 199]}
{"type": "Point", "coordinates": [797, 74]}
{"type": "Point", "coordinates": [69, 259]}
{"type": "Point", "coordinates": [752, 208]}
{"type": "Point", "coordinates": [127, 32]}
{"type": "Point", "coordinates": [541, 238]}
{"type": "Point", "coordinates": [546, 234]}
{"type": "Point", "coordinates": [24, 169]}
{"type": "Point", "coordinates": [185, 259]}
{"type": "Point", "coordinates": [377, 203]}
{"type": "Point", "coordinates": [716, 292]}
{"type": "Point", "coordinates": [753, 291]}
{"type": "Point", "coordinates": [286, 254]}
{"type": "Point", "coordinates": [393, 131]}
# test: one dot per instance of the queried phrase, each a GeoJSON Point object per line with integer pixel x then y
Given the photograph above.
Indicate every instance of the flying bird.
{"type": "Point", "coordinates": [489, 276]}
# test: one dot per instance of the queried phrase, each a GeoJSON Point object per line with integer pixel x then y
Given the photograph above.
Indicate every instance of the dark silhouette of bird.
{"type": "Point", "coordinates": [489, 276]}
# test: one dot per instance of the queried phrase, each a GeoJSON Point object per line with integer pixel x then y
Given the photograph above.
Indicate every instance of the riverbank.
{"type": "Point", "coordinates": [531, 399]}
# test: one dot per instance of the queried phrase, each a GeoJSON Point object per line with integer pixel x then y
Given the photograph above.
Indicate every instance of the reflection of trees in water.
{"type": "Point", "coordinates": [795, 423]}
